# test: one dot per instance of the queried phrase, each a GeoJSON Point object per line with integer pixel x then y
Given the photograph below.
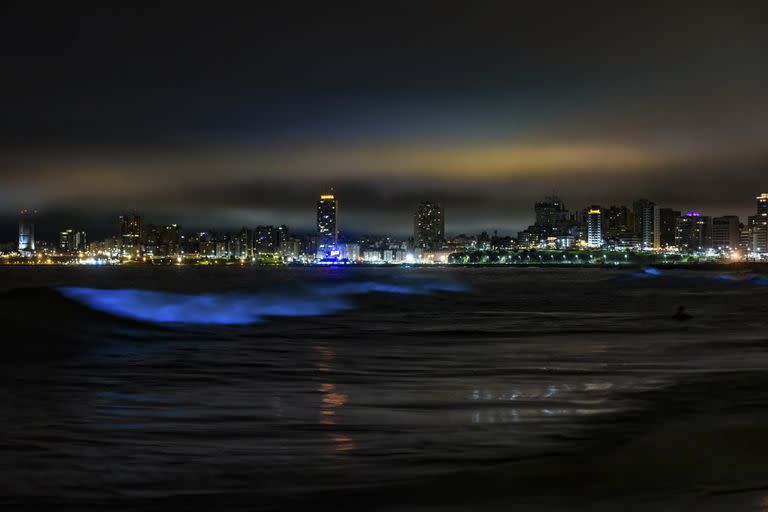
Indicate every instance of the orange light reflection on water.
{"type": "Point", "coordinates": [332, 401]}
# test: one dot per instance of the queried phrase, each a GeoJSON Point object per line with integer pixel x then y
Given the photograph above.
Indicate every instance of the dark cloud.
{"type": "Point", "coordinates": [217, 117]}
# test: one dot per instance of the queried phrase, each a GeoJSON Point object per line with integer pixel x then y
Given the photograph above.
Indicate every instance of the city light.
{"type": "Point", "coordinates": [596, 235]}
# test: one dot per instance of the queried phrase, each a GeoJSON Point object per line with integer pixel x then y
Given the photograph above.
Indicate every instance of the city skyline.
{"type": "Point", "coordinates": [643, 228]}
{"type": "Point", "coordinates": [461, 220]}
{"type": "Point", "coordinates": [306, 225]}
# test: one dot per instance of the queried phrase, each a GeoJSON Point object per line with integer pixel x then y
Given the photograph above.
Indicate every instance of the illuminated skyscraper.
{"type": "Point", "coordinates": [27, 232]}
{"type": "Point", "coordinates": [130, 234]}
{"type": "Point", "coordinates": [242, 244]}
{"type": "Point", "coordinates": [266, 239]}
{"type": "Point", "coordinates": [283, 236]}
{"type": "Point", "coordinates": [594, 226]}
{"type": "Point", "coordinates": [327, 226]}
{"type": "Point", "coordinates": [67, 241]}
{"type": "Point", "coordinates": [644, 222]}
{"type": "Point", "coordinates": [694, 232]}
{"type": "Point", "coordinates": [745, 235]}
{"type": "Point", "coordinates": [429, 226]}
{"type": "Point", "coordinates": [81, 241]}
{"type": "Point", "coordinates": [760, 226]}
{"type": "Point", "coordinates": [71, 241]}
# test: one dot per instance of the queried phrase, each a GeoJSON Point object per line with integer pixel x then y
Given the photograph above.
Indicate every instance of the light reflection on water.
{"type": "Point", "coordinates": [332, 401]}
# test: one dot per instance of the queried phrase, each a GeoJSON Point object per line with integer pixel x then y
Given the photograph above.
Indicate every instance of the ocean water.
{"type": "Point", "coordinates": [383, 388]}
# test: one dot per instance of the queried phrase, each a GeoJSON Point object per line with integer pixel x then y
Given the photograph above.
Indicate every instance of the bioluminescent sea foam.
{"type": "Point", "coordinates": [240, 308]}
{"type": "Point", "coordinates": [750, 278]}
{"type": "Point", "coordinates": [646, 273]}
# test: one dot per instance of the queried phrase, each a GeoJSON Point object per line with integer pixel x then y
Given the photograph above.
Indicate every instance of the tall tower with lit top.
{"type": "Point", "coordinates": [594, 226]}
{"type": "Point", "coordinates": [327, 223]}
{"type": "Point", "coordinates": [27, 232]}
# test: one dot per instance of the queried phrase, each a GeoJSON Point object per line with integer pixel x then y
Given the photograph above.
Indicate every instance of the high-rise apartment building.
{"type": "Point", "coordinates": [170, 240]}
{"type": "Point", "coordinates": [67, 242]}
{"type": "Point", "coordinates": [27, 232]}
{"type": "Point", "coordinates": [694, 232]}
{"type": "Point", "coordinates": [551, 214]}
{"type": "Point", "coordinates": [130, 234]}
{"type": "Point", "coordinates": [760, 225]}
{"type": "Point", "coordinates": [266, 239]}
{"type": "Point", "coordinates": [618, 222]}
{"type": "Point", "coordinates": [429, 226]}
{"type": "Point", "coordinates": [668, 226]}
{"type": "Point", "coordinates": [725, 233]}
{"type": "Point", "coordinates": [327, 224]}
{"type": "Point", "coordinates": [594, 226]}
{"type": "Point", "coordinates": [645, 222]}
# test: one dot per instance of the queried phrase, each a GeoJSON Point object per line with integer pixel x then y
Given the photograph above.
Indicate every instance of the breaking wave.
{"type": "Point", "coordinates": [241, 308]}
{"type": "Point", "coordinates": [646, 273]}
{"type": "Point", "coordinates": [757, 280]}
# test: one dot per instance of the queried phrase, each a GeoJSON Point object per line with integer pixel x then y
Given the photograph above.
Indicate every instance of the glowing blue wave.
{"type": "Point", "coordinates": [238, 308]}
{"type": "Point", "coordinates": [647, 273]}
{"type": "Point", "coordinates": [750, 278]}
{"type": "Point", "coordinates": [758, 280]}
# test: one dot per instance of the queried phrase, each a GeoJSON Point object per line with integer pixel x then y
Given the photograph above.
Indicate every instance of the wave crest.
{"type": "Point", "coordinates": [240, 308]}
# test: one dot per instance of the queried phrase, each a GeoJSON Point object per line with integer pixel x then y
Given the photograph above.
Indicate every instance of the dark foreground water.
{"type": "Point", "coordinates": [383, 389]}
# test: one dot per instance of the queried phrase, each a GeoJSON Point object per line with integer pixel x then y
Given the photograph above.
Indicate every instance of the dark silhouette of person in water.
{"type": "Point", "coordinates": [681, 315]}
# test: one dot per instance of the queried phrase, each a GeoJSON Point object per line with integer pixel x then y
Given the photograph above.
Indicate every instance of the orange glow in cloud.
{"type": "Point", "coordinates": [113, 175]}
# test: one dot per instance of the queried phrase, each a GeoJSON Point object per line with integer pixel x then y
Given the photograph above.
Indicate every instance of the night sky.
{"type": "Point", "coordinates": [221, 118]}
